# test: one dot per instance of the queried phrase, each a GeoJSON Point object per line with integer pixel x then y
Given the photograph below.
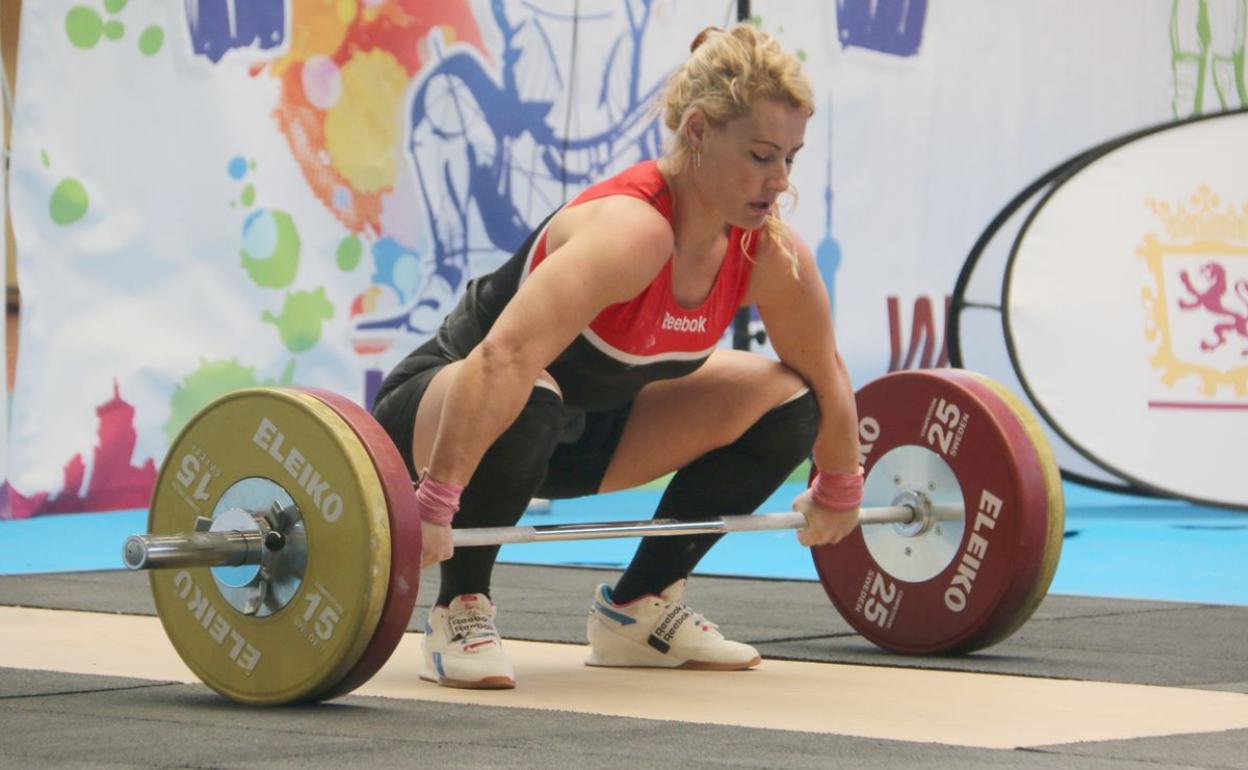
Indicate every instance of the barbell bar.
{"type": "Point", "coordinates": [283, 546]}
{"type": "Point", "coordinates": [238, 548]}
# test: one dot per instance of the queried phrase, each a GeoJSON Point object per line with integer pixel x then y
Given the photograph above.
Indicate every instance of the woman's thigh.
{"type": "Point", "coordinates": [674, 422]}
{"type": "Point", "coordinates": [428, 413]}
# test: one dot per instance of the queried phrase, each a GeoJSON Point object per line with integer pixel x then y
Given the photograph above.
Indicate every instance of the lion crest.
{"type": "Point", "coordinates": [1213, 299]}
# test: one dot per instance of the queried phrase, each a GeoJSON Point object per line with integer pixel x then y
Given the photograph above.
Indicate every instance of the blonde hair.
{"type": "Point", "coordinates": [726, 73]}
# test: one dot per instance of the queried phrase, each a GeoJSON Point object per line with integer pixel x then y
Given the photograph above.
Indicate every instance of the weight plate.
{"type": "Point", "coordinates": [1056, 533]}
{"type": "Point", "coordinates": [304, 649]}
{"type": "Point", "coordinates": [1001, 553]}
{"type": "Point", "coordinates": [405, 535]}
{"type": "Point", "coordinates": [907, 551]}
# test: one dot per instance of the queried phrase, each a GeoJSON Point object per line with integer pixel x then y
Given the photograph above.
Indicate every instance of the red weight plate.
{"type": "Point", "coordinates": [404, 537]}
{"type": "Point", "coordinates": [1025, 433]}
{"type": "Point", "coordinates": [1002, 545]}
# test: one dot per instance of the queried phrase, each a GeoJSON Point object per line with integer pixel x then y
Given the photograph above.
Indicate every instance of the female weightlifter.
{"type": "Point", "coordinates": [588, 363]}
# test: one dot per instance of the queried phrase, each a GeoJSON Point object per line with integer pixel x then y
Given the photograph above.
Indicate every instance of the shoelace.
{"type": "Point", "coordinates": [698, 618]}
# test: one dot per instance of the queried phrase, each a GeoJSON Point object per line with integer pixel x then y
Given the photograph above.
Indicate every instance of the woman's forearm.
{"type": "Point", "coordinates": [836, 446]}
{"type": "Point", "coordinates": [487, 394]}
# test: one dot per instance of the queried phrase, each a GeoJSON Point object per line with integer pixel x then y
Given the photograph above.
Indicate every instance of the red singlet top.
{"type": "Point", "coordinates": [627, 345]}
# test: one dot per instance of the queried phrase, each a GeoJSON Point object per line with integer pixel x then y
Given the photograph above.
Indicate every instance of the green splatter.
{"type": "Point", "coordinates": [270, 249]}
{"type": "Point", "coordinates": [801, 474]}
{"type": "Point", "coordinates": [83, 26]}
{"type": "Point", "coordinates": [801, 55]}
{"type": "Point", "coordinates": [349, 252]}
{"type": "Point", "coordinates": [757, 21]}
{"type": "Point", "coordinates": [114, 6]}
{"type": "Point", "coordinates": [303, 314]}
{"type": "Point", "coordinates": [249, 195]}
{"type": "Point", "coordinates": [69, 202]}
{"type": "Point", "coordinates": [43, 158]}
{"type": "Point", "coordinates": [150, 40]}
{"type": "Point", "coordinates": [113, 30]}
{"type": "Point", "coordinates": [210, 381]}
{"type": "Point", "coordinates": [659, 484]}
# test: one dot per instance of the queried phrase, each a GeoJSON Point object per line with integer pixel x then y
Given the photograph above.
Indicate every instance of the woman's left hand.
{"type": "Point", "coordinates": [822, 525]}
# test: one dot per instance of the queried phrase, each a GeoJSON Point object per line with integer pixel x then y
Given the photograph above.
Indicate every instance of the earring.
{"type": "Point", "coordinates": [697, 159]}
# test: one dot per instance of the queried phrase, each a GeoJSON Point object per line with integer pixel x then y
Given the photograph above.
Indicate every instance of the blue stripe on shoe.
{"type": "Point", "coordinates": [437, 663]}
{"type": "Point", "coordinates": [618, 617]}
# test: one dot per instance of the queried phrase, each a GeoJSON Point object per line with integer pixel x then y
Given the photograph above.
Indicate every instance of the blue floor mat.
{"type": "Point", "coordinates": [1115, 546]}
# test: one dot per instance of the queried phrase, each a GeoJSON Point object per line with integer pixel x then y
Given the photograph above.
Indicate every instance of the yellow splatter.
{"type": "Point", "coordinates": [317, 28]}
{"type": "Point", "coordinates": [362, 129]}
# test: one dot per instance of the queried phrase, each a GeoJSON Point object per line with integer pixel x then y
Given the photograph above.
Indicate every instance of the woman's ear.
{"type": "Point", "coordinates": [696, 129]}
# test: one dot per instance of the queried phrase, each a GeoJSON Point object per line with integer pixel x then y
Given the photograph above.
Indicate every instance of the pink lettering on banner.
{"type": "Point", "coordinates": [927, 347]}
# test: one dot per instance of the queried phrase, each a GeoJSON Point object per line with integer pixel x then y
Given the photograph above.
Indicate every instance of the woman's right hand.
{"type": "Point", "coordinates": [436, 544]}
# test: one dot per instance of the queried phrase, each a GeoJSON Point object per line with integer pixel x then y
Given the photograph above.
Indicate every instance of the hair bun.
{"type": "Point", "coordinates": [701, 38]}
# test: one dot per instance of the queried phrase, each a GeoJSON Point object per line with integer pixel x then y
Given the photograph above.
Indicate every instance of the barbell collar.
{"type": "Point", "coordinates": [193, 549]}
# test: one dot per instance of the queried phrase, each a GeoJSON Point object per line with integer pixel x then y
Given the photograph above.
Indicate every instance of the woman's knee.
{"type": "Point", "coordinates": [516, 462]}
{"type": "Point", "coordinates": [786, 433]}
{"type": "Point", "coordinates": [787, 385]}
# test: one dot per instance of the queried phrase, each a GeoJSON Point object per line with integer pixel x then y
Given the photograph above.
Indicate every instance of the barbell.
{"type": "Point", "coordinates": [284, 549]}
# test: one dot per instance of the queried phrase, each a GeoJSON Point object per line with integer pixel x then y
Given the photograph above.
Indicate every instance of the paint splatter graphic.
{"type": "Point", "coordinates": [350, 250]}
{"type": "Point", "coordinates": [271, 257]}
{"type": "Point", "coordinates": [210, 381]}
{"type": "Point", "coordinates": [69, 202]}
{"type": "Point", "coordinates": [86, 27]}
{"type": "Point", "coordinates": [303, 314]}
{"type": "Point", "coordinates": [270, 252]}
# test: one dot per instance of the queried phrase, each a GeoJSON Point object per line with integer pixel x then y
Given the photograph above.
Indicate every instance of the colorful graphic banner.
{"type": "Point", "coordinates": [221, 193]}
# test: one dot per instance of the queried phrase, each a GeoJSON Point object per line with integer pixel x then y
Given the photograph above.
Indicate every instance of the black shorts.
{"type": "Point", "coordinates": [586, 445]}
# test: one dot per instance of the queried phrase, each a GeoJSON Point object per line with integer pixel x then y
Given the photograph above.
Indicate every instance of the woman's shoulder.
{"type": "Point", "coordinates": [642, 181]}
{"type": "Point", "coordinates": [780, 258]}
{"type": "Point", "coordinates": [619, 218]}
{"type": "Point", "coordinates": [779, 246]}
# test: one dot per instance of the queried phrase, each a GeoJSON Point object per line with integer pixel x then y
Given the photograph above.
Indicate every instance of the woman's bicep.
{"type": "Point", "coordinates": [795, 311]}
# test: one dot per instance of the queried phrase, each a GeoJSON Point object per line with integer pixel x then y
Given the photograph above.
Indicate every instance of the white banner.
{"type": "Point", "coordinates": [1127, 306]}
{"type": "Point", "coordinates": [222, 193]}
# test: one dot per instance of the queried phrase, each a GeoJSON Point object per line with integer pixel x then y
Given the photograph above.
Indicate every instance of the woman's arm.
{"type": "Point", "coordinates": [798, 319]}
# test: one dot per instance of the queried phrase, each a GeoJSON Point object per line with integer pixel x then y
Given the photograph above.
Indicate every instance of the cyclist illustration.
{"type": "Point", "coordinates": [494, 151]}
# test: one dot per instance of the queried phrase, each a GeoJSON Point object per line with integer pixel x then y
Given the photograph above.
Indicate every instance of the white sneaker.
{"type": "Point", "coordinates": [660, 632]}
{"type": "Point", "coordinates": [462, 648]}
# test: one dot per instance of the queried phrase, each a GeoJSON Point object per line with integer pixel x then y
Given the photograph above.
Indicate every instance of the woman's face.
{"type": "Point", "coordinates": [745, 162]}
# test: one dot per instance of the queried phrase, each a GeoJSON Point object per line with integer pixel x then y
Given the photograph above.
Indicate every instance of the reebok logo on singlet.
{"type": "Point", "coordinates": [683, 324]}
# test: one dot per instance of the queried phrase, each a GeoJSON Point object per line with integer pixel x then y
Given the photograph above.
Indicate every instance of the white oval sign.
{"type": "Point", "coordinates": [1126, 306]}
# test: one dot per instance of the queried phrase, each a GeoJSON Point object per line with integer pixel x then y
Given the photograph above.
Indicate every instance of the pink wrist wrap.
{"type": "Point", "coordinates": [837, 491]}
{"type": "Point", "coordinates": [436, 501]}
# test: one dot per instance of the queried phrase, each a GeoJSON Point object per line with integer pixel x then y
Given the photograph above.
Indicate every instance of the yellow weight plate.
{"type": "Point", "coordinates": [305, 648]}
{"type": "Point", "coordinates": [1056, 532]}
